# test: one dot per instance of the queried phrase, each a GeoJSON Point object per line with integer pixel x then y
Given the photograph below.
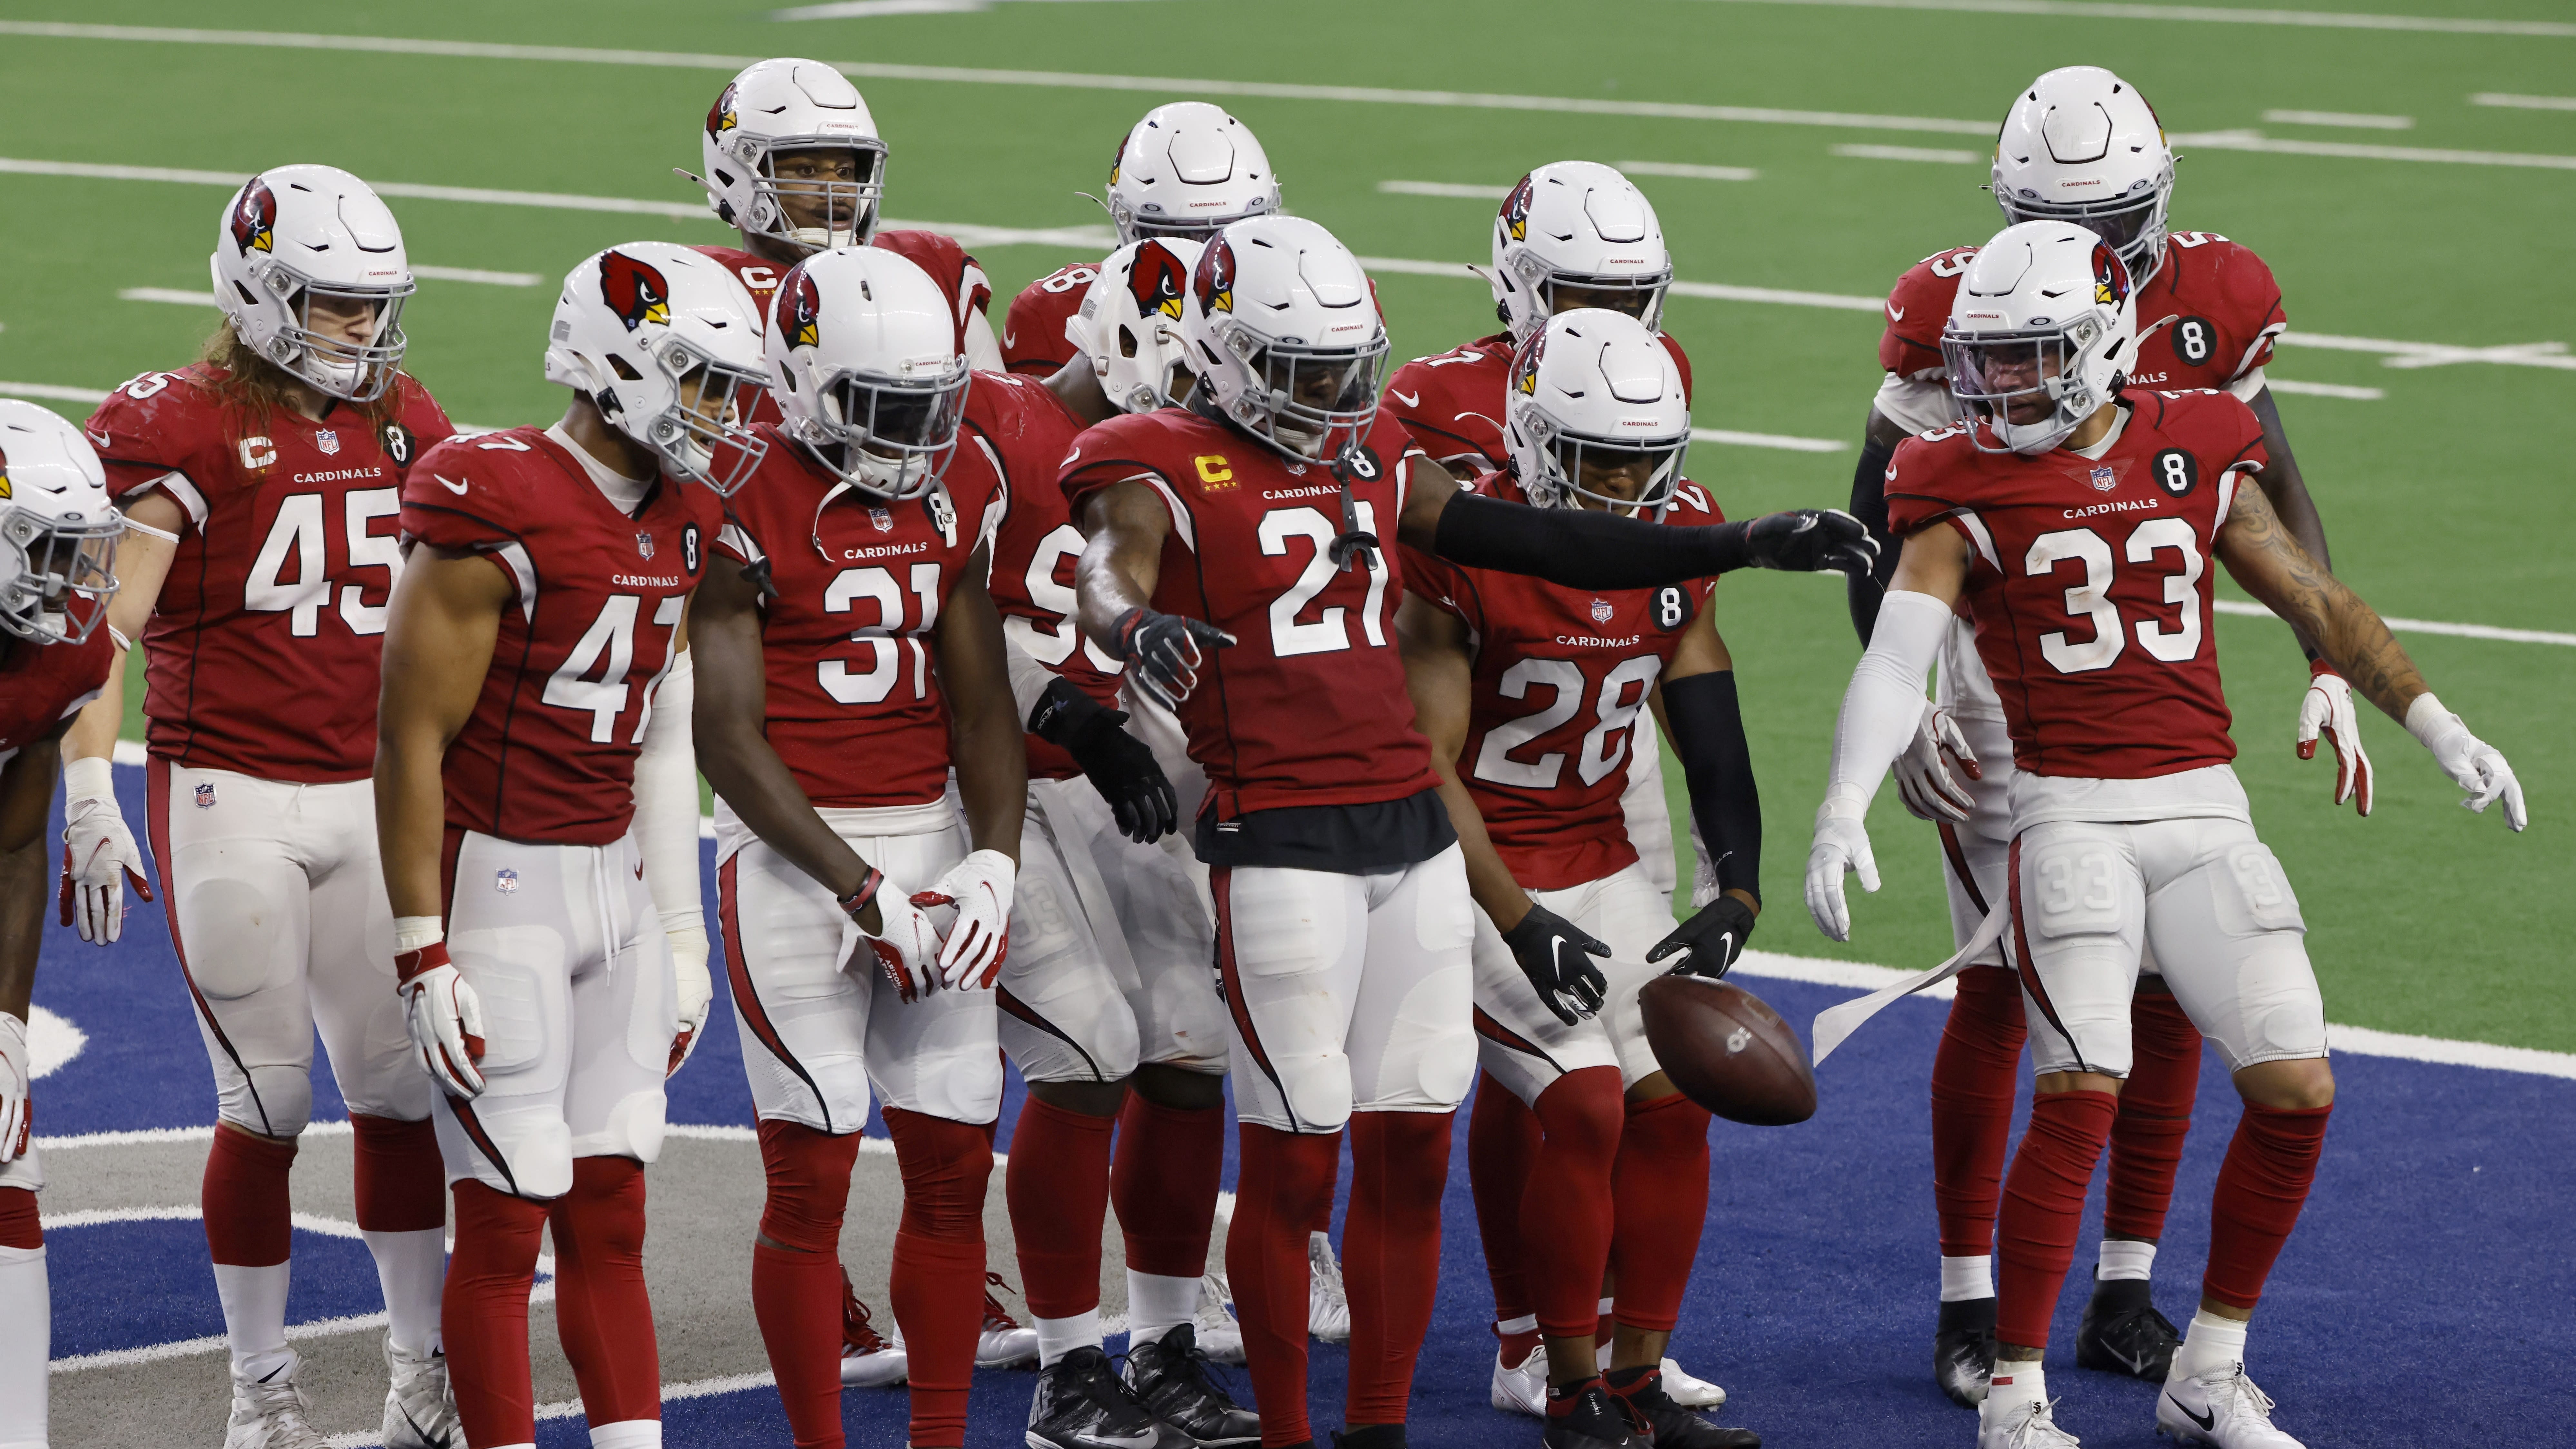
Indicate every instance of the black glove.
{"type": "Point", "coordinates": [1117, 763]}
{"type": "Point", "coordinates": [1551, 951]}
{"type": "Point", "coordinates": [1165, 651]}
{"type": "Point", "coordinates": [1708, 942]}
{"type": "Point", "coordinates": [1811, 540]}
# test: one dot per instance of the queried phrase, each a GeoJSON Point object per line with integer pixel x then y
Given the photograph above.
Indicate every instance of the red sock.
{"type": "Point", "coordinates": [602, 1313]}
{"type": "Point", "coordinates": [1391, 1253]}
{"type": "Point", "coordinates": [1973, 1075]}
{"type": "Point", "coordinates": [1057, 1185]}
{"type": "Point", "coordinates": [796, 1290]}
{"type": "Point", "coordinates": [1278, 1179]}
{"type": "Point", "coordinates": [1565, 1199]}
{"type": "Point", "coordinates": [1322, 1221]}
{"type": "Point", "coordinates": [1659, 1190]}
{"type": "Point", "coordinates": [484, 1312]}
{"type": "Point", "coordinates": [248, 1220]}
{"type": "Point", "coordinates": [938, 1286]}
{"type": "Point", "coordinates": [2043, 1206]}
{"type": "Point", "coordinates": [2155, 1114]}
{"type": "Point", "coordinates": [1502, 1142]}
{"type": "Point", "coordinates": [21, 1225]}
{"type": "Point", "coordinates": [1164, 1183]}
{"type": "Point", "coordinates": [402, 1184]}
{"type": "Point", "coordinates": [2261, 1188]}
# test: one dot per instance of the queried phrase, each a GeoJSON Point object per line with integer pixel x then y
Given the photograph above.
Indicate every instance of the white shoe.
{"type": "Point", "coordinates": [1328, 1307]}
{"type": "Point", "coordinates": [269, 1413]}
{"type": "Point", "coordinates": [420, 1410]}
{"type": "Point", "coordinates": [1689, 1392]}
{"type": "Point", "coordinates": [2222, 1409]}
{"type": "Point", "coordinates": [868, 1361]}
{"type": "Point", "coordinates": [2026, 1425]}
{"type": "Point", "coordinates": [1522, 1390]}
{"type": "Point", "coordinates": [1220, 1336]}
{"type": "Point", "coordinates": [1003, 1343]}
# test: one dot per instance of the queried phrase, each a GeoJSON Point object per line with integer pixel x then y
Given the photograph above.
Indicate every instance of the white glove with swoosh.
{"type": "Point", "coordinates": [99, 856]}
{"type": "Point", "coordinates": [695, 989]}
{"type": "Point", "coordinates": [17, 1075]}
{"type": "Point", "coordinates": [440, 1008]}
{"type": "Point", "coordinates": [972, 948]}
{"type": "Point", "coordinates": [2472, 763]}
{"type": "Point", "coordinates": [1923, 778]}
{"type": "Point", "coordinates": [1841, 845]}
{"type": "Point", "coordinates": [2327, 710]}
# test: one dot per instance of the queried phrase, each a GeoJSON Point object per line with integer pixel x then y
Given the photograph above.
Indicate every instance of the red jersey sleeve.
{"type": "Point", "coordinates": [1126, 446]}
{"type": "Point", "coordinates": [2238, 291]}
{"type": "Point", "coordinates": [1925, 482]}
{"type": "Point", "coordinates": [1033, 340]}
{"type": "Point", "coordinates": [1681, 360]}
{"type": "Point", "coordinates": [1916, 309]}
{"type": "Point", "coordinates": [948, 263]}
{"type": "Point", "coordinates": [464, 495]}
{"type": "Point", "coordinates": [155, 425]}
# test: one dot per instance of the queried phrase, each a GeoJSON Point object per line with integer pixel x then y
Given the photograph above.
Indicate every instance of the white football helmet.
{"type": "Point", "coordinates": [1581, 226]}
{"type": "Point", "coordinates": [1130, 323]}
{"type": "Point", "coordinates": [295, 237]}
{"type": "Point", "coordinates": [1286, 336]}
{"type": "Point", "coordinates": [792, 105]}
{"type": "Point", "coordinates": [1188, 169]}
{"type": "Point", "coordinates": [1596, 387]}
{"type": "Point", "coordinates": [2040, 335]}
{"type": "Point", "coordinates": [57, 528]}
{"type": "Point", "coordinates": [2081, 145]}
{"type": "Point", "coordinates": [667, 343]}
{"type": "Point", "coordinates": [862, 358]}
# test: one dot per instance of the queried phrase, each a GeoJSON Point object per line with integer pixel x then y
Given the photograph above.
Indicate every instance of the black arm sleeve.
{"type": "Point", "coordinates": [1717, 765]}
{"type": "Point", "coordinates": [1582, 549]}
{"type": "Point", "coordinates": [1869, 505]}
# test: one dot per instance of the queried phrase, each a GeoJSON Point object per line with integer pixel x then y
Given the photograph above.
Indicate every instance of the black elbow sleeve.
{"type": "Point", "coordinates": [1717, 766]}
{"type": "Point", "coordinates": [1869, 505]}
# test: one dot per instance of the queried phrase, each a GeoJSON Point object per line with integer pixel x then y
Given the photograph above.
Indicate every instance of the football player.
{"type": "Point", "coordinates": [1528, 693]}
{"type": "Point", "coordinates": [2129, 831]}
{"type": "Point", "coordinates": [539, 816]}
{"type": "Point", "coordinates": [1238, 564]}
{"type": "Point", "coordinates": [2079, 145]}
{"type": "Point", "coordinates": [853, 656]}
{"type": "Point", "coordinates": [1184, 171]}
{"type": "Point", "coordinates": [58, 534]}
{"type": "Point", "coordinates": [266, 477]}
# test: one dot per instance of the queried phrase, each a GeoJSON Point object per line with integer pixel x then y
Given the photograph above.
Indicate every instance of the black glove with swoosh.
{"type": "Point", "coordinates": [1709, 941]}
{"type": "Point", "coordinates": [1811, 540]}
{"type": "Point", "coordinates": [1554, 954]}
{"type": "Point", "coordinates": [1118, 764]}
{"type": "Point", "coordinates": [1166, 651]}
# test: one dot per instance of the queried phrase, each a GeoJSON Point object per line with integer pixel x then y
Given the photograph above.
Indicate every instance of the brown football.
{"type": "Point", "coordinates": [1728, 1051]}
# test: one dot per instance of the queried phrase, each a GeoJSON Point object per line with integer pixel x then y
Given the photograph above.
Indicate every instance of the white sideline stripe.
{"type": "Point", "coordinates": [1766, 440]}
{"type": "Point", "coordinates": [476, 274]}
{"type": "Point", "coordinates": [2323, 19]}
{"type": "Point", "coordinates": [55, 391]}
{"type": "Point", "coordinates": [179, 295]}
{"type": "Point", "coordinates": [1911, 153]}
{"type": "Point", "coordinates": [1725, 292]}
{"type": "Point", "coordinates": [870, 9]}
{"type": "Point", "coordinates": [569, 1408]}
{"type": "Point", "coordinates": [148, 1136]}
{"type": "Point", "coordinates": [2256, 141]}
{"type": "Point", "coordinates": [1689, 172]}
{"type": "Point", "coordinates": [2524, 103]}
{"type": "Point", "coordinates": [2324, 389]}
{"type": "Point", "coordinates": [2421, 626]}
{"type": "Point", "coordinates": [2341, 118]}
{"type": "Point", "coordinates": [970, 75]}
{"type": "Point", "coordinates": [2353, 1040]}
{"type": "Point", "coordinates": [1463, 190]}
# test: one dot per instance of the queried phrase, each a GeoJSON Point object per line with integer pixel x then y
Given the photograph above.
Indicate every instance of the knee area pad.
{"type": "Point", "coordinates": [1430, 1053]}
{"type": "Point", "coordinates": [635, 1128]}
{"type": "Point", "coordinates": [1318, 1089]}
{"type": "Point", "coordinates": [537, 1149]}
{"type": "Point", "coordinates": [234, 933]}
{"type": "Point", "coordinates": [273, 1101]}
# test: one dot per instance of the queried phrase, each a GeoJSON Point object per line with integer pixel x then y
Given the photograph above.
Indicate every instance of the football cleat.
{"type": "Point", "coordinates": [2023, 1426]}
{"type": "Point", "coordinates": [1081, 1404]}
{"type": "Point", "coordinates": [1596, 1422]}
{"type": "Point", "coordinates": [1522, 1390]}
{"type": "Point", "coordinates": [1328, 1307]}
{"type": "Point", "coordinates": [1688, 1391]}
{"type": "Point", "coordinates": [867, 1360]}
{"type": "Point", "coordinates": [1220, 1335]}
{"type": "Point", "coordinates": [1963, 1350]}
{"type": "Point", "coordinates": [2122, 1332]}
{"type": "Point", "coordinates": [1003, 1343]}
{"type": "Point", "coordinates": [1667, 1423]}
{"type": "Point", "coordinates": [420, 1409]}
{"type": "Point", "coordinates": [271, 1412]}
{"type": "Point", "coordinates": [2222, 1409]}
{"type": "Point", "coordinates": [1170, 1376]}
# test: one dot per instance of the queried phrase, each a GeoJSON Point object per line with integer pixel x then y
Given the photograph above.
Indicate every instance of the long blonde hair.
{"type": "Point", "coordinates": [257, 389]}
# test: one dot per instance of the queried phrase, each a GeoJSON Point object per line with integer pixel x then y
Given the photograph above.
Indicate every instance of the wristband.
{"type": "Point", "coordinates": [413, 932]}
{"type": "Point", "coordinates": [408, 965]}
{"type": "Point", "coordinates": [89, 778]}
{"type": "Point", "coordinates": [2430, 723]}
{"type": "Point", "coordinates": [858, 900]}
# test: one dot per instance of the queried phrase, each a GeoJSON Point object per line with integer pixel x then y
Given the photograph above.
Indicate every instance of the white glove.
{"type": "Point", "coordinates": [2328, 710]}
{"type": "Point", "coordinates": [2472, 763]}
{"type": "Point", "coordinates": [1923, 778]}
{"type": "Point", "coordinates": [695, 989]}
{"type": "Point", "coordinates": [1842, 844]}
{"type": "Point", "coordinates": [972, 948]}
{"type": "Point", "coordinates": [444, 1015]}
{"type": "Point", "coordinates": [17, 1072]}
{"type": "Point", "coordinates": [98, 853]}
{"type": "Point", "coordinates": [905, 947]}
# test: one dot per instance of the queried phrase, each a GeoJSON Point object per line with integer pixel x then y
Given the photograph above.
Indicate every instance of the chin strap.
{"type": "Point", "coordinates": [1356, 460]}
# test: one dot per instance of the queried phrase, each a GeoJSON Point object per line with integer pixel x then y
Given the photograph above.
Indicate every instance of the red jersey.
{"type": "Point", "coordinates": [548, 755]}
{"type": "Point", "coordinates": [1028, 432]}
{"type": "Point", "coordinates": [43, 685]}
{"type": "Point", "coordinates": [1452, 404]}
{"type": "Point", "coordinates": [1033, 340]}
{"type": "Point", "coordinates": [854, 706]}
{"type": "Point", "coordinates": [2090, 582]}
{"type": "Point", "coordinates": [264, 648]}
{"type": "Point", "coordinates": [1560, 676]}
{"type": "Point", "coordinates": [2225, 310]}
{"type": "Point", "coordinates": [959, 275]}
{"type": "Point", "coordinates": [1308, 707]}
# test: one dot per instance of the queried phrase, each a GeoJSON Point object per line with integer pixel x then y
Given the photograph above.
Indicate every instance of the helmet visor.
{"type": "Point", "coordinates": [1641, 296]}
{"type": "Point", "coordinates": [822, 193]}
{"type": "Point", "coordinates": [1621, 474]}
{"type": "Point", "coordinates": [2129, 224]}
{"type": "Point", "coordinates": [66, 572]}
{"type": "Point", "coordinates": [894, 435]}
{"type": "Point", "coordinates": [345, 340]}
{"type": "Point", "coordinates": [1320, 397]}
{"type": "Point", "coordinates": [701, 434]}
{"type": "Point", "coordinates": [2013, 382]}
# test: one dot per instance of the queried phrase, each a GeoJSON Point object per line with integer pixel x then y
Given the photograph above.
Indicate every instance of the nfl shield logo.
{"type": "Point", "coordinates": [643, 545]}
{"type": "Point", "coordinates": [883, 518]}
{"type": "Point", "coordinates": [505, 880]}
{"type": "Point", "coordinates": [1601, 611]}
{"type": "Point", "coordinates": [205, 797]}
{"type": "Point", "coordinates": [327, 440]}
{"type": "Point", "coordinates": [2103, 482]}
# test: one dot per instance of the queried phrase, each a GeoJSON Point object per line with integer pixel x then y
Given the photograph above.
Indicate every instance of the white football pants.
{"type": "Point", "coordinates": [1521, 1042]}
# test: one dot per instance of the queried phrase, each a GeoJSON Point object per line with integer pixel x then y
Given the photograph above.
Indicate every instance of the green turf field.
{"type": "Point", "coordinates": [2449, 498]}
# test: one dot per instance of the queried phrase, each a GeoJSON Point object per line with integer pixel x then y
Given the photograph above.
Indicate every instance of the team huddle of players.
{"type": "Point", "coordinates": [1140, 697]}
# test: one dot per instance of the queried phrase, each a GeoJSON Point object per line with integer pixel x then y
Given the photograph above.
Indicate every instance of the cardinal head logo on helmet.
{"type": "Point", "coordinates": [803, 314]}
{"type": "Point", "coordinates": [5, 490]}
{"type": "Point", "coordinates": [635, 291]}
{"type": "Point", "coordinates": [1516, 210]}
{"type": "Point", "coordinates": [1525, 370]}
{"type": "Point", "coordinates": [255, 218]}
{"type": "Point", "coordinates": [1214, 281]}
{"type": "Point", "coordinates": [1156, 281]}
{"type": "Point", "coordinates": [2110, 276]}
{"type": "Point", "coordinates": [720, 116]}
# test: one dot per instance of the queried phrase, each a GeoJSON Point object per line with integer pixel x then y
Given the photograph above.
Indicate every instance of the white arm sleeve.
{"type": "Point", "coordinates": [1884, 704]}
{"type": "Point", "coordinates": [666, 800]}
{"type": "Point", "coordinates": [983, 354]}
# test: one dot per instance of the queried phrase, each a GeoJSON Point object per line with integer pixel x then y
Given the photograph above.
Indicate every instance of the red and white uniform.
{"type": "Point", "coordinates": [856, 714]}
{"type": "Point", "coordinates": [261, 664]}
{"type": "Point", "coordinates": [958, 274]}
{"type": "Point", "coordinates": [2090, 590]}
{"type": "Point", "coordinates": [1033, 340]}
{"type": "Point", "coordinates": [1562, 684]}
{"type": "Point", "coordinates": [1342, 915]}
{"type": "Point", "coordinates": [548, 917]}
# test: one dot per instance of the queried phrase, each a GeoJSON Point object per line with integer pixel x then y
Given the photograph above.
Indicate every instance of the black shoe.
{"type": "Point", "coordinates": [1081, 1404]}
{"type": "Point", "coordinates": [1170, 1376]}
{"type": "Point", "coordinates": [1666, 1424]}
{"type": "Point", "coordinates": [2122, 1332]}
{"type": "Point", "coordinates": [1596, 1422]}
{"type": "Point", "coordinates": [1963, 1351]}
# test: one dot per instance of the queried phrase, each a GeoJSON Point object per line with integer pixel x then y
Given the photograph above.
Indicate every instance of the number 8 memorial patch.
{"type": "Point", "coordinates": [2175, 471]}
{"type": "Point", "coordinates": [1670, 608]}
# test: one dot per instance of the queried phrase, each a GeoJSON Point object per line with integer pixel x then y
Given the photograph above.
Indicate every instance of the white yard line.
{"type": "Point", "coordinates": [476, 274]}
{"type": "Point", "coordinates": [2323, 389]}
{"type": "Point", "coordinates": [1767, 440]}
{"type": "Point", "coordinates": [2421, 626]}
{"type": "Point", "coordinates": [2323, 19]}
{"type": "Point", "coordinates": [2524, 103]}
{"type": "Point", "coordinates": [2256, 141]}
{"type": "Point", "coordinates": [1689, 172]}
{"type": "Point", "coordinates": [1465, 191]}
{"type": "Point", "coordinates": [2340, 118]}
{"type": "Point", "coordinates": [1912, 153]}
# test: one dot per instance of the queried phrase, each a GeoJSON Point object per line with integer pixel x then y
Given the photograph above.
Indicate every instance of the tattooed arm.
{"type": "Point", "coordinates": [2262, 555]}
